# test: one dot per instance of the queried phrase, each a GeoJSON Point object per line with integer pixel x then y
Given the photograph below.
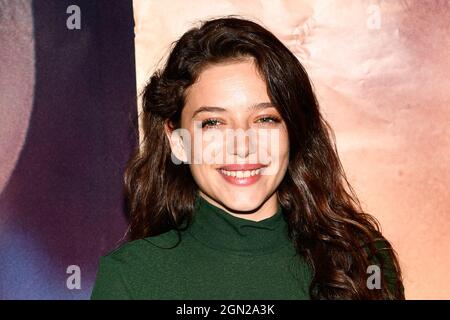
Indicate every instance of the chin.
{"type": "Point", "coordinates": [244, 202]}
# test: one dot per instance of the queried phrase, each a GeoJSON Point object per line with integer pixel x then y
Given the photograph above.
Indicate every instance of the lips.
{"type": "Point", "coordinates": [241, 174]}
{"type": "Point", "coordinates": [242, 167]}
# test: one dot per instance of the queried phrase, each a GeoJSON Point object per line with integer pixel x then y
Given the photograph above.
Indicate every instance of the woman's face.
{"type": "Point", "coordinates": [236, 172]}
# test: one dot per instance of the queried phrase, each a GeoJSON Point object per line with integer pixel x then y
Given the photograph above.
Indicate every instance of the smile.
{"type": "Point", "coordinates": [241, 174]}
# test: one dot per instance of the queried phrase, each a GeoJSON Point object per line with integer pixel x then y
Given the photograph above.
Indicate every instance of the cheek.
{"type": "Point", "coordinates": [201, 173]}
{"type": "Point", "coordinates": [282, 155]}
{"type": "Point", "coordinates": [206, 146]}
{"type": "Point", "coordinates": [284, 147]}
{"type": "Point", "coordinates": [280, 150]}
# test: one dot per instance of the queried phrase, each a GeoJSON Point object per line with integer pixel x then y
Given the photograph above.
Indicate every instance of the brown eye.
{"type": "Point", "coordinates": [210, 123]}
{"type": "Point", "coordinates": [268, 119]}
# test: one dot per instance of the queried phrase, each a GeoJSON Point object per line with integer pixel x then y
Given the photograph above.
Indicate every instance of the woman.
{"type": "Point", "coordinates": [288, 227]}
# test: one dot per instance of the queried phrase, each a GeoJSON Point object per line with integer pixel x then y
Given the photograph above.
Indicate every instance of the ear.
{"type": "Point", "coordinates": [176, 141]}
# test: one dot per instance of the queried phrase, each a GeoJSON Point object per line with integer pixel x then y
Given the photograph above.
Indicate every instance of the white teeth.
{"type": "Point", "coordinates": [241, 174]}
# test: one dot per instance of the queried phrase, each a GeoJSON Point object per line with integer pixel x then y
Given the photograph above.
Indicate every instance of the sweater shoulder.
{"type": "Point", "coordinates": [150, 246]}
{"type": "Point", "coordinates": [124, 272]}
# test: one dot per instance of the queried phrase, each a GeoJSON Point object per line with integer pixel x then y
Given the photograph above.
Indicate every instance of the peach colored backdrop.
{"type": "Point", "coordinates": [380, 69]}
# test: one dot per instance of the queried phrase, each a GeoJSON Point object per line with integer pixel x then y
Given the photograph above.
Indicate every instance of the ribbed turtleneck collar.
{"type": "Point", "coordinates": [220, 230]}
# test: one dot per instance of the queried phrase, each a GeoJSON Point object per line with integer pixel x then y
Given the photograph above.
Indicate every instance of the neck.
{"type": "Point", "coordinates": [264, 211]}
{"type": "Point", "coordinates": [218, 229]}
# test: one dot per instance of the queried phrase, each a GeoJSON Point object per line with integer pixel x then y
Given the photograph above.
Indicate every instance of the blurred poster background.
{"type": "Point", "coordinates": [67, 100]}
{"type": "Point", "coordinates": [381, 73]}
{"type": "Point", "coordinates": [68, 110]}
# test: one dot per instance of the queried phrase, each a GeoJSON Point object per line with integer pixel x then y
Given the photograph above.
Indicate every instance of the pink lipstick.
{"type": "Point", "coordinates": [241, 174]}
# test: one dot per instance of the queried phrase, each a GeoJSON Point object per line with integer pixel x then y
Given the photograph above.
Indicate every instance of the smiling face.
{"type": "Point", "coordinates": [229, 99]}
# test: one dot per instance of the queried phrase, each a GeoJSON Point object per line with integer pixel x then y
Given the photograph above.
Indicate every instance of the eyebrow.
{"type": "Point", "coordinates": [253, 107]}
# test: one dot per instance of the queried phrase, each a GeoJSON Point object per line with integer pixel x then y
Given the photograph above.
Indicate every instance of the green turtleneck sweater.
{"type": "Point", "coordinates": [220, 256]}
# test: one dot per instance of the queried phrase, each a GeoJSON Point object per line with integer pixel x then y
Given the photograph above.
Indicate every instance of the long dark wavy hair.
{"type": "Point", "coordinates": [326, 223]}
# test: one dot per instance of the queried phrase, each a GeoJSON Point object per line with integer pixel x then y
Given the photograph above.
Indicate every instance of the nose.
{"type": "Point", "coordinates": [241, 142]}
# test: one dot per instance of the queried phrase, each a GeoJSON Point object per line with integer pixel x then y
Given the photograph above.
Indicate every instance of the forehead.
{"type": "Point", "coordinates": [236, 83]}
